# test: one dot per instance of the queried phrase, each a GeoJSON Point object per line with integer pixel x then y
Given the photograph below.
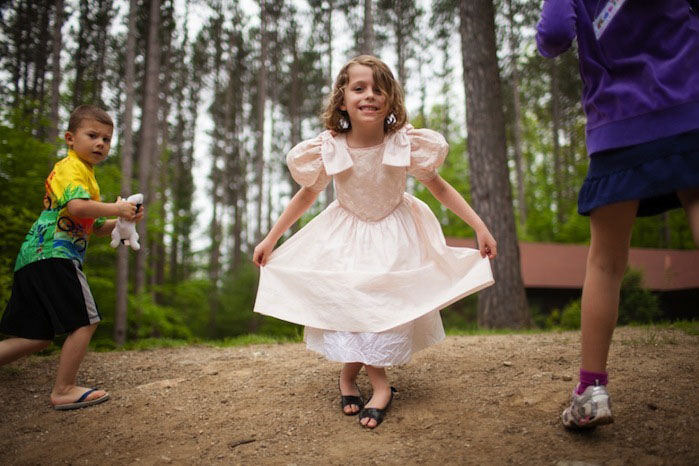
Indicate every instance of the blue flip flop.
{"type": "Point", "coordinates": [81, 403]}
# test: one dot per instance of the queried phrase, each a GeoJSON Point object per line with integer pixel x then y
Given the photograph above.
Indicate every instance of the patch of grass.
{"type": "Point", "coordinates": [251, 339]}
{"type": "Point", "coordinates": [155, 343]}
{"type": "Point", "coordinates": [651, 337]}
{"type": "Point", "coordinates": [475, 330]}
{"type": "Point", "coordinates": [10, 370]}
{"type": "Point", "coordinates": [690, 327]}
{"type": "Point", "coordinates": [105, 345]}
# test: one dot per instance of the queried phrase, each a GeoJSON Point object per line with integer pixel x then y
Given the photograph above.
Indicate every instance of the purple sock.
{"type": "Point", "coordinates": [588, 378]}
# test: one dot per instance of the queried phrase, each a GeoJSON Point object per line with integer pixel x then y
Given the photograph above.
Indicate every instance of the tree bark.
{"type": "Point", "coordinates": [52, 134]}
{"type": "Point", "coordinates": [516, 118]}
{"type": "Point", "coordinates": [369, 35]}
{"type": "Point", "coordinates": [122, 285]}
{"type": "Point", "coordinates": [330, 188]}
{"type": "Point", "coordinates": [505, 303]}
{"type": "Point", "coordinates": [261, 104]}
{"type": "Point", "coordinates": [149, 128]}
{"type": "Point", "coordinates": [555, 130]}
{"type": "Point", "coordinates": [78, 58]}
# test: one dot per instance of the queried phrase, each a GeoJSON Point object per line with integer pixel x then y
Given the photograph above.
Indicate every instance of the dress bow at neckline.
{"type": "Point", "coordinates": [336, 157]}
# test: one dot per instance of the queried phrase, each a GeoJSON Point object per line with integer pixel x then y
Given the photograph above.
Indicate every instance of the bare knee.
{"type": "Point", "coordinates": [610, 264]}
{"type": "Point", "coordinates": [87, 329]}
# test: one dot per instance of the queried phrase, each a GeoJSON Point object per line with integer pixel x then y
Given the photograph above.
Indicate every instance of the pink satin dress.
{"type": "Point", "coordinates": [368, 275]}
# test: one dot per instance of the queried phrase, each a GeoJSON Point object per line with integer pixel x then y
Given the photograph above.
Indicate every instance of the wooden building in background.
{"type": "Point", "coordinates": [553, 275]}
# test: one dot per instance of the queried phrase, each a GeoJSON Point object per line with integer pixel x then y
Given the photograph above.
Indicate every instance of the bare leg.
{"type": "Point", "coordinates": [348, 383]}
{"type": "Point", "coordinates": [690, 202]}
{"type": "Point", "coordinates": [382, 392]}
{"type": "Point", "coordinates": [14, 348]}
{"type": "Point", "coordinates": [610, 230]}
{"type": "Point", "coordinates": [72, 354]}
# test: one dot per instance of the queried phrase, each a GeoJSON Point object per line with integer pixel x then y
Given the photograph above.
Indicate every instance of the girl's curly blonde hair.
{"type": "Point", "coordinates": [384, 80]}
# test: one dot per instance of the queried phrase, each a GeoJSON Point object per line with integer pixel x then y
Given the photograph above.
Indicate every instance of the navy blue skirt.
{"type": "Point", "coordinates": [651, 172]}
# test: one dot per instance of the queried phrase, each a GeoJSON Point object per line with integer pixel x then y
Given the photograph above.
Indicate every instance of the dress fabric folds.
{"type": "Point", "coordinates": [368, 275]}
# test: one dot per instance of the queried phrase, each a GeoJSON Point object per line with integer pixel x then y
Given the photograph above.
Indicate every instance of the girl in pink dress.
{"type": "Point", "coordinates": [368, 276]}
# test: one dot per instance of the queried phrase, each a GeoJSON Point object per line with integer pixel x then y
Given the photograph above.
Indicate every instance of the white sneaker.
{"type": "Point", "coordinates": [589, 409]}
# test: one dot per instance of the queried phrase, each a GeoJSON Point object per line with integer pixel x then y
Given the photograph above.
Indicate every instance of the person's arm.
{"type": "Point", "coordinates": [556, 29]}
{"type": "Point", "coordinates": [298, 204]}
{"type": "Point", "coordinates": [105, 229]}
{"type": "Point", "coordinates": [452, 200]}
{"type": "Point", "coordinates": [87, 208]}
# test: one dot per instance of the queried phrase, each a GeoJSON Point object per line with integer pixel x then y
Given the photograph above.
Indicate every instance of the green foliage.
{"type": "Point", "coordinates": [637, 304]}
{"type": "Point", "coordinates": [235, 316]}
{"type": "Point", "coordinates": [24, 164]}
{"type": "Point", "coordinates": [570, 316]}
{"type": "Point", "coordinates": [461, 315]}
{"type": "Point", "coordinates": [148, 319]}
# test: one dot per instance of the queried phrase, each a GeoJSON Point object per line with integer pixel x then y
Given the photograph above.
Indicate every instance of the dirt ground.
{"type": "Point", "coordinates": [467, 400]}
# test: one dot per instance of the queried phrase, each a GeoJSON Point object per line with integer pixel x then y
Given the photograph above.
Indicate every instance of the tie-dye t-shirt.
{"type": "Point", "coordinates": [56, 233]}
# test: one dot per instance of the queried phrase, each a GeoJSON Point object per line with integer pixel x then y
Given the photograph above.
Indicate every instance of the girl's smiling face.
{"type": "Point", "coordinates": [363, 100]}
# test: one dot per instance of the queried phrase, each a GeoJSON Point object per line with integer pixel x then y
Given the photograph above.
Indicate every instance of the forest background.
{"type": "Point", "coordinates": [209, 95]}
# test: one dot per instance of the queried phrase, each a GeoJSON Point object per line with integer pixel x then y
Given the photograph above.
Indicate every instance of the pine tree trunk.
{"type": "Point", "coordinates": [516, 117]}
{"type": "Point", "coordinates": [52, 135]}
{"type": "Point", "coordinates": [505, 303]}
{"type": "Point", "coordinates": [122, 285]}
{"type": "Point", "coordinates": [369, 36]}
{"type": "Point", "coordinates": [261, 104]}
{"type": "Point", "coordinates": [149, 128]}
{"type": "Point", "coordinates": [330, 188]}
{"type": "Point", "coordinates": [78, 61]}
{"type": "Point", "coordinates": [555, 129]}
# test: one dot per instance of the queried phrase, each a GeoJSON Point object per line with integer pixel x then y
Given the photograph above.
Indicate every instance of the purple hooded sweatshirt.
{"type": "Point", "coordinates": [640, 78]}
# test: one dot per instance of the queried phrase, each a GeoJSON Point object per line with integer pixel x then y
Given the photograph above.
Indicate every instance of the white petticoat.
{"type": "Point", "coordinates": [388, 348]}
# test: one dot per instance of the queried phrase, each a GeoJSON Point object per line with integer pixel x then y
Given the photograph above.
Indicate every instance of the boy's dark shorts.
{"type": "Point", "coordinates": [49, 297]}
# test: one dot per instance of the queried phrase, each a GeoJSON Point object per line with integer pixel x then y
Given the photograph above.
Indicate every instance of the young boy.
{"type": "Point", "coordinates": [50, 294]}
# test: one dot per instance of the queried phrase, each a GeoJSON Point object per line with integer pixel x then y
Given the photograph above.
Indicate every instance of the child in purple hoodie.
{"type": "Point", "coordinates": [639, 63]}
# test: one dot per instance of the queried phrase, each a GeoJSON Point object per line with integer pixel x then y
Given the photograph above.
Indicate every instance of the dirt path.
{"type": "Point", "coordinates": [468, 400]}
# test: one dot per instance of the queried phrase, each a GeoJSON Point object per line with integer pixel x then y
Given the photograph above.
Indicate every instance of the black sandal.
{"type": "Point", "coordinates": [348, 400]}
{"type": "Point", "coordinates": [376, 413]}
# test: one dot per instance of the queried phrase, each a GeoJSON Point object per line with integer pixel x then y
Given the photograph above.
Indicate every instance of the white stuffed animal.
{"type": "Point", "coordinates": [125, 231]}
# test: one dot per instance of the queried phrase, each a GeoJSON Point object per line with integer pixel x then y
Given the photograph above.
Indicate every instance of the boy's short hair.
{"type": "Point", "coordinates": [88, 112]}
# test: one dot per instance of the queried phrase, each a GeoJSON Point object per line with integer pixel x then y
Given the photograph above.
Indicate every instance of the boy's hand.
{"type": "Point", "coordinates": [262, 252]}
{"type": "Point", "coordinates": [125, 209]}
{"type": "Point", "coordinates": [487, 244]}
{"type": "Point", "coordinates": [139, 213]}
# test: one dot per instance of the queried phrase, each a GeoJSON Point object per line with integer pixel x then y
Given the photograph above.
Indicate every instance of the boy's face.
{"type": "Point", "coordinates": [363, 101]}
{"type": "Point", "coordinates": [91, 141]}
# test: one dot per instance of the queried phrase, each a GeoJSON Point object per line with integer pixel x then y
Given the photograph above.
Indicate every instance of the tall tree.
{"type": "Point", "coordinates": [148, 134]}
{"type": "Point", "coordinates": [369, 36]}
{"type": "Point", "coordinates": [504, 304]}
{"type": "Point", "coordinates": [555, 137]}
{"type": "Point", "coordinates": [52, 133]}
{"type": "Point", "coordinates": [261, 109]}
{"type": "Point", "coordinates": [402, 17]}
{"type": "Point", "coordinates": [516, 113]}
{"type": "Point", "coordinates": [122, 283]}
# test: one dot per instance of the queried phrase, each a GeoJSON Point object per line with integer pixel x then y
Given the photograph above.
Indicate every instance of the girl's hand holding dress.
{"type": "Point", "coordinates": [262, 252]}
{"type": "Point", "coordinates": [487, 244]}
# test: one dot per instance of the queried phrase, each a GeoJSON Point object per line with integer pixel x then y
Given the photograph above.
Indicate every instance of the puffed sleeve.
{"type": "Point", "coordinates": [428, 149]}
{"type": "Point", "coordinates": [306, 165]}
